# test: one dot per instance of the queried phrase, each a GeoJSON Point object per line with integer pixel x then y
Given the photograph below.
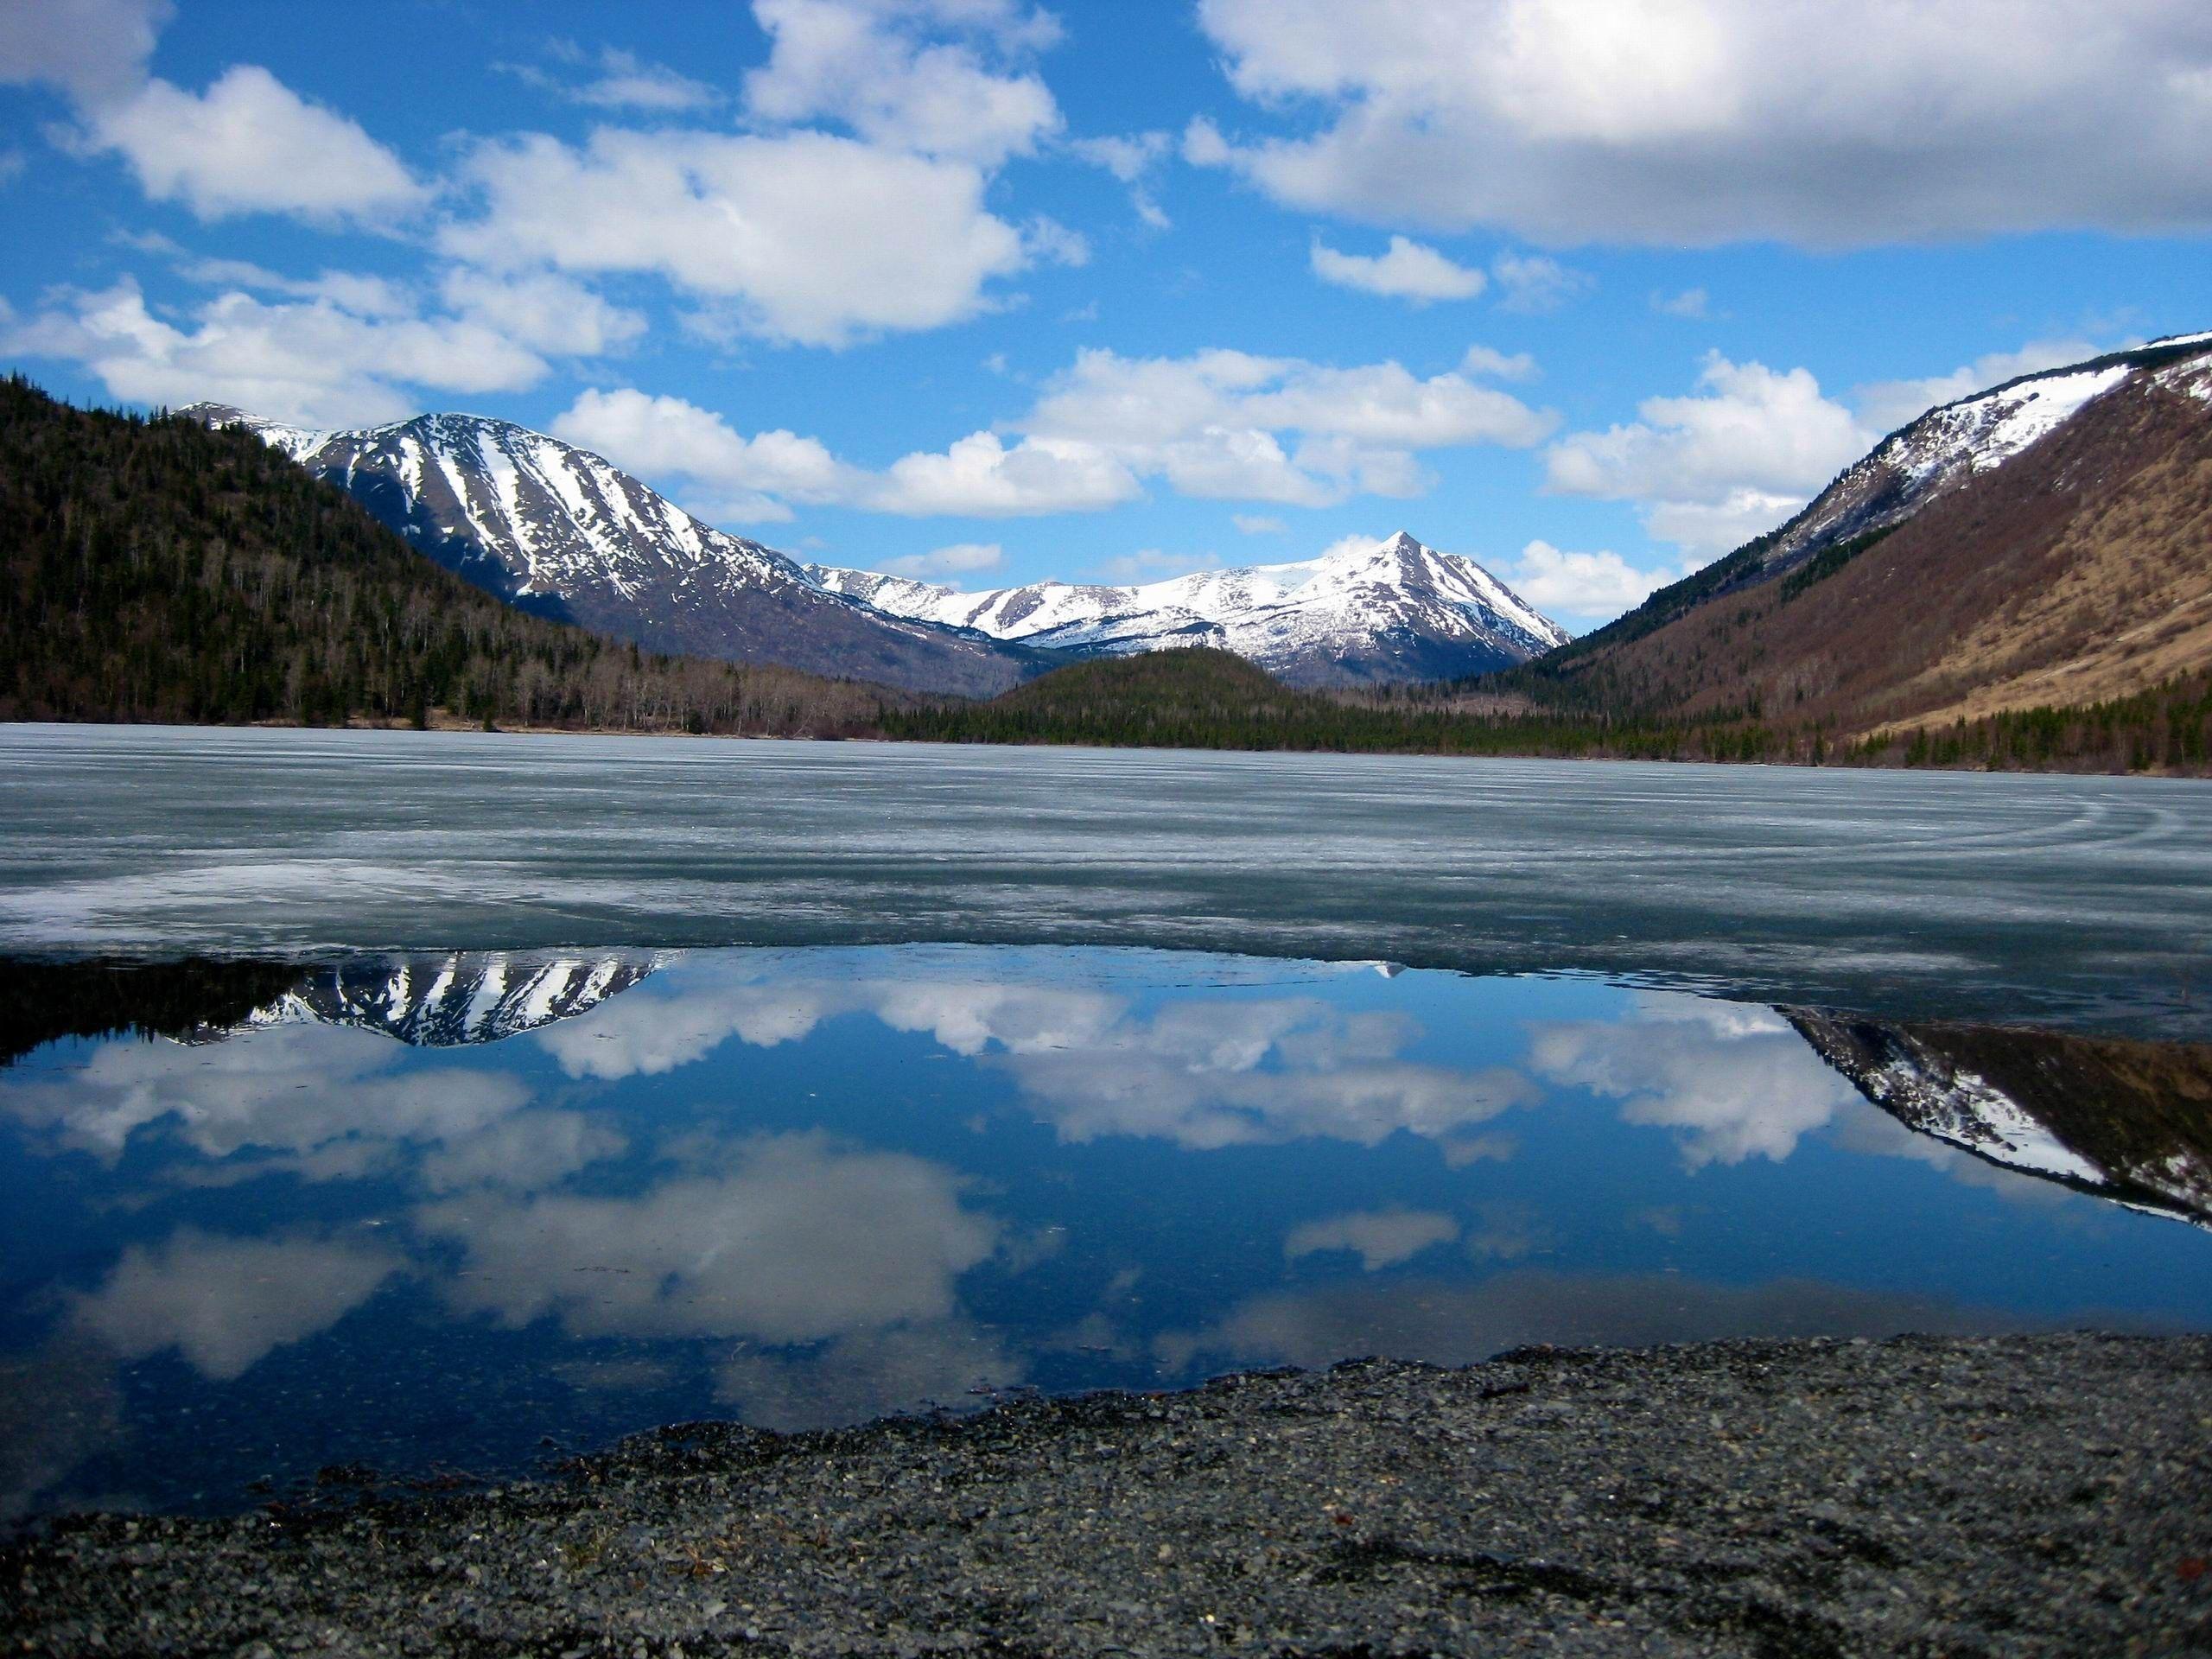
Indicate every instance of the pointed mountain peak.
{"type": "Point", "coordinates": [1404, 541]}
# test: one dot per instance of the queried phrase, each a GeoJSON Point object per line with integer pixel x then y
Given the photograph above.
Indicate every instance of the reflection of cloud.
{"type": "Point", "coordinates": [1381, 1238]}
{"type": "Point", "coordinates": [1737, 1081]}
{"type": "Point", "coordinates": [58, 1406]}
{"type": "Point", "coordinates": [1456, 1325]}
{"type": "Point", "coordinates": [525, 1151]}
{"type": "Point", "coordinates": [1506, 1232]}
{"type": "Point", "coordinates": [224, 1302]}
{"type": "Point", "coordinates": [292, 1089]}
{"type": "Point", "coordinates": [1202, 1073]}
{"type": "Point", "coordinates": [867, 1375]}
{"type": "Point", "coordinates": [804, 1240]}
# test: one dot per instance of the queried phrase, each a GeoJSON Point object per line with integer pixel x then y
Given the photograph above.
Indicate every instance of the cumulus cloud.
{"type": "Point", "coordinates": [1381, 1238]}
{"type": "Point", "coordinates": [1693, 304]}
{"type": "Point", "coordinates": [1588, 586]}
{"type": "Point", "coordinates": [1732, 459]}
{"type": "Point", "coordinates": [541, 311]}
{"type": "Point", "coordinates": [802, 236]}
{"type": "Point", "coordinates": [1257, 524]}
{"type": "Point", "coordinates": [251, 144]}
{"type": "Point", "coordinates": [1889, 405]}
{"type": "Point", "coordinates": [887, 70]}
{"type": "Point", "coordinates": [962, 558]}
{"type": "Point", "coordinates": [1409, 271]}
{"type": "Point", "coordinates": [1218, 425]}
{"type": "Point", "coordinates": [318, 362]}
{"type": "Point", "coordinates": [1706, 121]}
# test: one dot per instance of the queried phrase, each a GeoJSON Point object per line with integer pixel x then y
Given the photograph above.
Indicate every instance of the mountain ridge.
{"type": "Point", "coordinates": [1396, 610]}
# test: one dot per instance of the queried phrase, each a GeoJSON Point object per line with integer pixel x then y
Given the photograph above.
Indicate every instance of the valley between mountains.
{"type": "Point", "coordinates": [2020, 578]}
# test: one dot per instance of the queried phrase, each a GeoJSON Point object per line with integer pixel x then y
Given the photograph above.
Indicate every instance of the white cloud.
{"type": "Point", "coordinates": [1487, 359]}
{"type": "Point", "coordinates": [1889, 405]}
{"type": "Point", "coordinates": [1705, 121]}
{"type": "Point", "coordinates": [666, 436]}
{"type": "Point", "coordinates": [1253, 523]}
{"type": "Point", "coordinates": [959, 559]}
{"type": "Point", "coordinates": [1588, 586]}
{"type": "Point", "coordinates": [1749, 448]}
{"type": "Point", "coordinates": [12, 163]}
{"type": "Point", "coordinates": [1381, 1238]}
{"type": "Point", "coordinates": [622, 81]}
{"type": "Point", "coordinates": [544, 312]}
{"type": "Point", "coordinates": [316, 362]}
{"type": "Point", "coordinates": [94, 50]}
{"type": "Point", "coordinates": [980, 476]}
{"type": "Point", "coordinates": [1533, 283]}
{"type": "Point", "coordinates": [1409, 271]}
{"type": "Point", "coordinates": [806, 237]}
{"type": "Point", "coordinates": [1130, 159]}
{"type": "Point", "coordinates": [873, 65]}
{"type": "Point", "coordinates": [251, 144]}
{"type": "Point", "coordinates": [1692, 303]}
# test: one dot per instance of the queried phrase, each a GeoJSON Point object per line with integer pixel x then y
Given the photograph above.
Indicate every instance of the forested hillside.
{"type": "Point", "coordinates": [155, 570]}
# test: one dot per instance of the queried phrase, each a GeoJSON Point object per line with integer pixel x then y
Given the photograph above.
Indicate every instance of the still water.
{"type": "Point", "coordinates": [451, 1214]}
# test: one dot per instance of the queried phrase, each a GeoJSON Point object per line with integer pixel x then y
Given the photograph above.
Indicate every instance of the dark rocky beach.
{"type": "Point", "coordinates": [2046, 1494]}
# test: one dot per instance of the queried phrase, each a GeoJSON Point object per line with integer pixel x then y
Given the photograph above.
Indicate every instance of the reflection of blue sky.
{"type": "Point", "coordinates": [807, 1187]}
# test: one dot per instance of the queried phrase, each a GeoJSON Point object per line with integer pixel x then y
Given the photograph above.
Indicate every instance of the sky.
{"type": "Point", "coordinates": [1589, 290]}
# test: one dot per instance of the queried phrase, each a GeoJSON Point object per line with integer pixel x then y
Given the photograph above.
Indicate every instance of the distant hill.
{"type": "Point", "coordinates": [2041, 547]}
{"type": "Point", "coordinates": [159, 570]}
{"type": "Point", "coordinates": [563, 533]}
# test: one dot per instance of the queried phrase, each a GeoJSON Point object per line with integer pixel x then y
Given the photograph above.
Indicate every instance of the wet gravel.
{"type": "Point", "coordinates": [2041, 1495]}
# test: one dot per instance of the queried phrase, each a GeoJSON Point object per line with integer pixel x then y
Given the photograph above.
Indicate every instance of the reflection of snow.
{"type": "Point", "coordinates": [1381, 1238]}
{"type": "Point", "coordinates": [226, 1302]}
{"type": "Point", "coordinates": [1736, 1080]}
{"type": "Point", "coordinates": [804, 1239]}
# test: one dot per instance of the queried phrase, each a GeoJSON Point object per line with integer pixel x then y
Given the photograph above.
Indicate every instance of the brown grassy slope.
{"type": "Point", "coordinates": [2081, 570]}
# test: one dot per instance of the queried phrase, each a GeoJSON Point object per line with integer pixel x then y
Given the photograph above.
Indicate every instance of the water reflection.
{"type": "Point", "coordinates": [438, 1209]}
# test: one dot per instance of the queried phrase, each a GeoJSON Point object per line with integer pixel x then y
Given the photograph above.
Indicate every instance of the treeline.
{"type": "Point", "coordinates": [1205, 699]}
{"type": "Point", "coordinates": [156, 570]}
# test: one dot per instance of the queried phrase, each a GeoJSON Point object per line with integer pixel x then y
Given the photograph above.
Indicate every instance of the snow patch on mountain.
{"type": "Point", "coordinates": [1380, 610]}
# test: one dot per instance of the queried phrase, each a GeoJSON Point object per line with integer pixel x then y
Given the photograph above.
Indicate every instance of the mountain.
{"type": "Point", "coordinates": [159, 570]}
{"type": "Point", "coordinates": [2044, 544]}
{"type": "Point", "coordinates": [1393, 612]}
{"type": "Point", "coordinates": [456, 997]}
{"type": "Point", "coordinates": [2128, 1121]}
{"type": "Point", "coordinates": [557, 530]}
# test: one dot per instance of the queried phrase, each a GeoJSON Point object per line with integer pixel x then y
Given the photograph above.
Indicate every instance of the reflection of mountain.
{"type": "Point", "coordinates": [462, 996]}
{"type": "Point", "coordinates": [42, 1002]}
{"type": "Point", "coordinates": [2126, 1121]}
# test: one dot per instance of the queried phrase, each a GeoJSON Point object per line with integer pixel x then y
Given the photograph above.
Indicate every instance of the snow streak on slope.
{"type": "Point", "coordinates": [560, 530]}
{"type": "Point", "coordinates": [459, 997]}
{"type": "Point", "coordinates": [1389, 610]}
{"type": "Point", "coordinates": [1948, 446]}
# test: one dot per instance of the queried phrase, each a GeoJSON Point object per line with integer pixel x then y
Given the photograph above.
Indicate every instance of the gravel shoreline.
{"type": "Point", "coordinates": [2028, 1495]}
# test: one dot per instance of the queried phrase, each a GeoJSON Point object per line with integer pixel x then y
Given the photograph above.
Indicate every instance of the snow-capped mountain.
{"type": "Point", "coordinates": [463, 996]}
{"type": "Point", "coordinates": [559, 531]}
{"type": "Point", "coordinates": [2126, 1121]}
{"type": "Point", "coordinates": [1950, 446]}
{"type": "Point", "coordinates": [1393, 610]}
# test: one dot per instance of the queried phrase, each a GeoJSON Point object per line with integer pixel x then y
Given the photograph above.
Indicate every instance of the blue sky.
{"type": "Point", "coordinates": [1588, 290]}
